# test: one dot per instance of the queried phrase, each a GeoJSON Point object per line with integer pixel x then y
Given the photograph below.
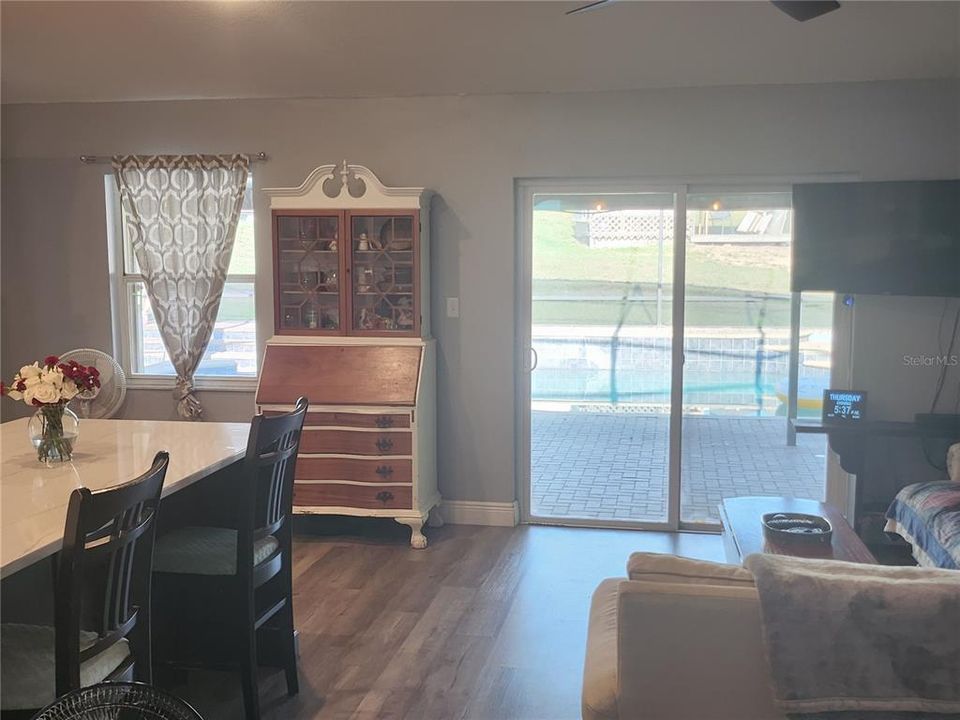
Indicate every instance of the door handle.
{"type": "Point", "coordinates": [534, 359]}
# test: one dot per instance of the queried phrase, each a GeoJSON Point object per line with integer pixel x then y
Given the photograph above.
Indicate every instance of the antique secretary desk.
{"type": "Point", "coordinates": [352, 334]}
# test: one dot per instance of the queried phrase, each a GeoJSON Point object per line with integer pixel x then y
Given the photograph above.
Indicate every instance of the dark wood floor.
{"type": "Point", "coordinates": [487, 623]}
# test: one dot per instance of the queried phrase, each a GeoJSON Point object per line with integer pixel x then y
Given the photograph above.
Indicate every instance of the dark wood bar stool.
{"type": "Point", "coordinates": [216, 587]}
{"type": "Point", "coordinates": [102, 626]}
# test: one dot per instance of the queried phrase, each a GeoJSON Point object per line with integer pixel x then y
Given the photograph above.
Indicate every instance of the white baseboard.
{"type": "Point", "coordinates": [470, 512]}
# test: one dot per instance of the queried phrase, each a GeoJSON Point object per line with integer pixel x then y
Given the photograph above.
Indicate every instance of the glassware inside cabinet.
{"type": "Point", "coordinates": [308, 268]}
{"type": "Point", "coordinates": [383, 259]}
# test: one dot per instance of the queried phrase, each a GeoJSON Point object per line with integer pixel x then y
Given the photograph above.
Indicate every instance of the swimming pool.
{"type": "Point", "coordinates": [721, 374]}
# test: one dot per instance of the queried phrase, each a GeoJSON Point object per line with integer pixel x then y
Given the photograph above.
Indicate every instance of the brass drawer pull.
{"type": "Point", "coordinates": [384, 496]}
{"type": "Point", "coordinates": [384, 470]}
{"type": "Point", "coordinates": [384, 421]}
{"type": "Point", "coordinates": [384, 444]}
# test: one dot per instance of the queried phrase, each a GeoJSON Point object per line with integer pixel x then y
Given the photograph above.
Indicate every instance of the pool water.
{"type": "Point", "coordinates": [737, 375]}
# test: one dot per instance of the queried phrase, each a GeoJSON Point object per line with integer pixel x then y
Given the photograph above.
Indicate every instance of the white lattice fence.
{"type": "Point", "coordinates": [626, 228]}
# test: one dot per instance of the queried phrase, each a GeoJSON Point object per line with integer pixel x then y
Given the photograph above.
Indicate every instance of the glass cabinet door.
{"type": "Point", "coordinates": [384, 274]}
{"type": "Point", "coordinates": [308, 273]}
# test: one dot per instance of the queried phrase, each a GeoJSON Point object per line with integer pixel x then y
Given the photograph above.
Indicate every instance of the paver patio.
{"type": "Point", "coordinates": [613, 465]}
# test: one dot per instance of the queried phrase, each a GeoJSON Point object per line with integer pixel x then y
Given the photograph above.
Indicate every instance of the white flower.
{"type": "Point", "coordinates": [69, 390]}
{"type": "Point", "coordinates": [53, 377]}
{"type": "Point", "coordinates": [46, 393]}
{"type": "Point", "coordinates": [32, 381]}
{"type": "Point", "coordinates": [15, 394]}
{"type": "Point", "coordinates": [29, 393]}
{"type": "Point", "coordinates": [30, 371]}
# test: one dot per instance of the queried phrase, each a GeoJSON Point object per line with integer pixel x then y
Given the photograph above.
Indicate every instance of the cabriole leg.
{"type": "Point", "coordinates": [418, 540]}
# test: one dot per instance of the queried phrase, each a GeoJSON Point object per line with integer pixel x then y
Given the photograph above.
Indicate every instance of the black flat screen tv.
{"type": "Point", "coordinates": [878, 238]}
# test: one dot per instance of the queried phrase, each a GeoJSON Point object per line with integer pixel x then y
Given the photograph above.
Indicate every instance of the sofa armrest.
{"type": "Point", "coordinates": [688, 652]}
{"type": "Point", "coordinates": [657, 567]}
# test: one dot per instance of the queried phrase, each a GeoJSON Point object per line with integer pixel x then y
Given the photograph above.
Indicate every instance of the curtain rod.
{"type": "Point", "coordinates": [98, 159]}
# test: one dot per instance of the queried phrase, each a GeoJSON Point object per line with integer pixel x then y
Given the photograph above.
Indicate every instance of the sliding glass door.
{"type": "Point", "coordinates": [656, 328]}
{"type": "Point", "coordinates": [736, 345]}
{"type": "Point", "coordinates": [601, 333]}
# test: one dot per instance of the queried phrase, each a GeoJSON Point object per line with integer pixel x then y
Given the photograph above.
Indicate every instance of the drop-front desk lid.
{"type": "Point", "coordinates": [340, 374]}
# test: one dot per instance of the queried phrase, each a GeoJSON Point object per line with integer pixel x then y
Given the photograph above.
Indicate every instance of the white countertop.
{"type": "Point", "coordinates": [33, 497]}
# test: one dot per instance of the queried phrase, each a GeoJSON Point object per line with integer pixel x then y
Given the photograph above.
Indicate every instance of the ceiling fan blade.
{"type": "Point", "coordinates": [804, 10]}
{"type": "Point", "coordinates": [589, 6]}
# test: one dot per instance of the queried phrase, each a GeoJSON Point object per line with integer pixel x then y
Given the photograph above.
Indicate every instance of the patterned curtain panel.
{"type": "Point", "coordinates": [180, 214]}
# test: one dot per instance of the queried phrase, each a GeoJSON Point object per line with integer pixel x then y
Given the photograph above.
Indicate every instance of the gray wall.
{"type": "Point", "coordinates": [55, 288]}
{"type": "Point", "coordinates": [889, 329]}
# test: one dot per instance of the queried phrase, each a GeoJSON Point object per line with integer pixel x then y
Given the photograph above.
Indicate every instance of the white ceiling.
{"type": "Point", "coordinates": [114, 51]}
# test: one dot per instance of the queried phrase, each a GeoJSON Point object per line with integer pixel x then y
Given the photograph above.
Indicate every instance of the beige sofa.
{"type": "Point", "coordinates": [677, 640]}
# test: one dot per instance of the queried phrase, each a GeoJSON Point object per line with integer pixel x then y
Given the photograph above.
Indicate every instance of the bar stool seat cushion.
{"type": "Point", "coordinates": [27, 659]}
{"type": "Point", "coordinates": [205, 551]}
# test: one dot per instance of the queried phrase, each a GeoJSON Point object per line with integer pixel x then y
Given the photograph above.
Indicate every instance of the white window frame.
{"type": "Point", "coordinates": [123, 320]}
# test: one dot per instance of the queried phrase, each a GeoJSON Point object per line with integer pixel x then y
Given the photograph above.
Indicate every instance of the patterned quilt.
{"type": "Point", "coordinates": [927, 515]}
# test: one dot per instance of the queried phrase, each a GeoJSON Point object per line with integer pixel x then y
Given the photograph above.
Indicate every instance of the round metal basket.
{"type": "Point", "coordinates": [118, 701]}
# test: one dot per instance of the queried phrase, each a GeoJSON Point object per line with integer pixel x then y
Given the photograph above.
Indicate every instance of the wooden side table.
{"type": "Point", "coordinates": [743, 530]}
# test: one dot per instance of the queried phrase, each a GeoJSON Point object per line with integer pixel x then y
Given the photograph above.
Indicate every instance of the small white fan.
{"type": "Point", "coordinates": [104, 401]}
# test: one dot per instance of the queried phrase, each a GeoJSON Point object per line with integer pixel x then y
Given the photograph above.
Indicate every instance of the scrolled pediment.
{"type": "Point", "coordinates": [344, 185]}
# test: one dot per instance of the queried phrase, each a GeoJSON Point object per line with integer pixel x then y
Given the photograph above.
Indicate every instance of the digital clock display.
{"type": "Point", "coordinates": [844, 406]}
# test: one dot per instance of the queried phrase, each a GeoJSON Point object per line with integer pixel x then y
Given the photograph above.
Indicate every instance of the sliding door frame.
{"type": "Point", "coordinates": [525, 363]}
{"type": "Point", "coordinates": [721, 188]}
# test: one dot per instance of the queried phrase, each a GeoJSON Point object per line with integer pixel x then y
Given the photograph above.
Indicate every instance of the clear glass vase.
{"type": "Point", "coordinates": [54, 430]}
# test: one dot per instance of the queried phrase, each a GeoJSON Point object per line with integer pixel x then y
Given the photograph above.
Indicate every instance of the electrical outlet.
{"type": "Point", "coordinates": [453, 307]}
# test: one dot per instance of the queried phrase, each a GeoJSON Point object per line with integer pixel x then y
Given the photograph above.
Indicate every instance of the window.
{"type": "Point", "coordinates": [232, 351]}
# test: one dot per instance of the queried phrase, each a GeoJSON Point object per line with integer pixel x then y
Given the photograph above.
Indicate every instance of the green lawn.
{"type": "Point", "coordinates": [242, 260]}
{"type": "Point", "coordinates": [701, 315]}
{"type": "Point", "coordinates": [236, 309]}
{"type": "Point", "coordinates": [730, 285]}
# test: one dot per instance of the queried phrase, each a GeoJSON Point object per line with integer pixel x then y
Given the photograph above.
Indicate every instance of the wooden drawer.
{"type": "Point", "coordinates": [388, 470]}
{"type": "Point", "coordinates": [356, 443]}
{"type": "Point", "coordinates": [358, 420]}
{"type": "Point", "coordinates": [360, 496]}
